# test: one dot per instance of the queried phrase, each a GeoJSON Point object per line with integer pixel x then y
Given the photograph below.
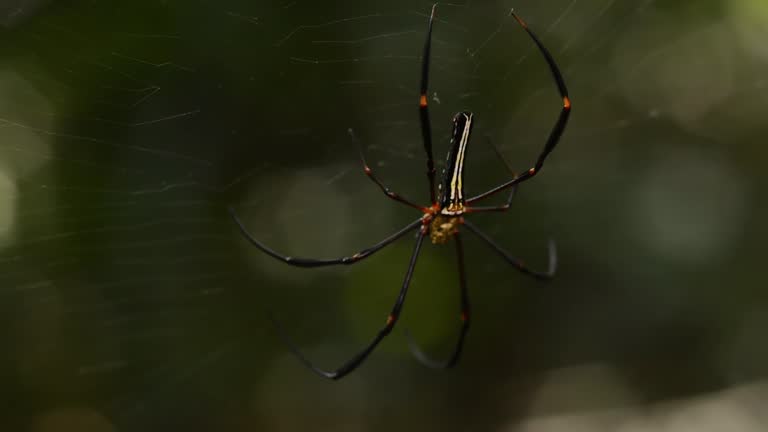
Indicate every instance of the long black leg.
{"type": "Point", "coordinates": [501, 208]}
{"type": "Point", "coordinates": [426, 128]}
{"type": "Point", "coordinates": [557, 129]}
{"type": "Point", "coordinates": [308, 262]}
{"type": "Point", "coordinates": [512, 191]}
{"type": "Point", "coordinates": [392, 318]}
{"type": "Point", "coordinates": [516, 262]}
{"type": "Point", "coordinates": [376, 180]}
{"type": "Point", "coordinates": [454, 357]}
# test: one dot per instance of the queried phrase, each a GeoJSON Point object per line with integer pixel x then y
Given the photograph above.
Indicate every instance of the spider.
{"type": "Point", "coordinates": [441, 220]}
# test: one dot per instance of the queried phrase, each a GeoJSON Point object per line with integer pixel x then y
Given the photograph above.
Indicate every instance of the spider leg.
{"type": "Point", "coordinates": [451, 361]}
{"type": "Point", "coordinates": [360, 357]}
{"type": "Point", "coordinates": [512, 191]}
{"type": "Point", "coordinates": [372, 176]}
{"type": "Point", "coordinates": [557, 129]}
{"type": "Point", "coordinates": [308, 262]}
{"type": "Point", "coordinates": [518, 264]}
{"type": "Point", "coordinates": [426, 128]}
{"type": "Point", "coordinates": [501, 208]}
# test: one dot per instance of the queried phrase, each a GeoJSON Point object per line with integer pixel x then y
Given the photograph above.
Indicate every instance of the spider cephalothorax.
{"type": "Point", "coordinates": [442, 219]}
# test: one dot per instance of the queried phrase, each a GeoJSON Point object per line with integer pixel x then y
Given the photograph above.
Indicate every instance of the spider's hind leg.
{"type": "Point", "coordinates": [394, 314]}
{"type": "Point", "coordinates": [517, 263]}
{"type": "Point", "coordinates": [451, 361]}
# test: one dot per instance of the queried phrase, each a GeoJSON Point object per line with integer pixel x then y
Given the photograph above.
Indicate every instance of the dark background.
{"type": "Point", "coordinates": [130, 302]}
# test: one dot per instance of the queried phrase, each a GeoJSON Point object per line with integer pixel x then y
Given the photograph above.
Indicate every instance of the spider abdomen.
{"type": "Point", "coordinates": [452, 184]}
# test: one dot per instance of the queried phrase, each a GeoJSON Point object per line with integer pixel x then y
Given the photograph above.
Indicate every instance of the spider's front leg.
{"type": "Point", "coordinates": [426, 127]}
{"type": "Point", "coordinates": [556, 131]}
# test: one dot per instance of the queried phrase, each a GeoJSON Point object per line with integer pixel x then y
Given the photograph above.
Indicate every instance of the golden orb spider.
{"type": "Point", "coordinates": [440, 220]}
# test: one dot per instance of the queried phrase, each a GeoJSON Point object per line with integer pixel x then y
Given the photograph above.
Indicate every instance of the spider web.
{"type": "Point", "coordinates": [130, 301]}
